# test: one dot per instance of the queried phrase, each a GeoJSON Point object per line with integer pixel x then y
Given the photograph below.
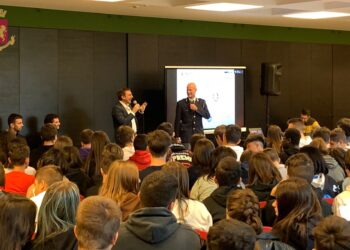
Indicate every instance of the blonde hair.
{"type": "Point", "coordinates": [122, 178]}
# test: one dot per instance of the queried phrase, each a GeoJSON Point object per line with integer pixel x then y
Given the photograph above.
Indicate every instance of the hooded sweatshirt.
{"type": "Point", "coordinates": [155, 228]}
{"type": "Point", "coordinates": [142, 158]}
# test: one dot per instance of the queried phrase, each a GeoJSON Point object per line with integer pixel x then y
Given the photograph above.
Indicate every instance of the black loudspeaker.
{"type": "Point", "coordinates": [271, 78]}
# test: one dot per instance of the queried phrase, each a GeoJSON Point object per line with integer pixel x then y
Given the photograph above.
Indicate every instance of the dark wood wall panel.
{"type": "Point", "coordinates": [109, 76]}
{"type": "Point", "coordinates": [9, 80]}
{"type": "Point", "coordinates": [75, 79]}
{"type": "Point", "coordinates": [38, 74]}
{"type": "Point", "coordinates": [341, 80]}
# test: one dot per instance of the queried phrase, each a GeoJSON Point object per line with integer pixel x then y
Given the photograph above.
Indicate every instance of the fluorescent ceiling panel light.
{"type": "Point", "coordinates": [223, 7]}
{"type": "Point", "coordinates": [317, 15]}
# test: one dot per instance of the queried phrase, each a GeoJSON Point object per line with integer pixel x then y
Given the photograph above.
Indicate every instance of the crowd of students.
{"type": "Point", "coordinates": [290, 190]}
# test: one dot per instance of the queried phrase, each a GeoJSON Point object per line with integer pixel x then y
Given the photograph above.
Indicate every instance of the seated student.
{"type": "Point", "coordinates": [338, 139]}
{"type": "Point", "coordinates": [297, 212]}
{"type": "Point", "coordinates": [124, 136]}
{"type": "Point", "coordinates": [231, 234]}
{"type": "Point", "coordinates": [17, 181]}
{"type": "Point", "coordinates": [274, 138]}
{"type": "Point", "coordinates": [219, 132]}
{"type": "Point", "coordinates": [122, 186]}
{"type": "Point", "coordinates": [187, 211]}
{"type": "Point", "coordinates": [44, 178]}
{"type": "Point", "coordinates": [344, 124]}
{"type": "Point", "coordinates": [298, 124]}
{"type": "Point", "coordinates": [51, 157]}
{"type": "Point", "coordinates": [57, 217]}
{"type": "Point", "coordinates": [243, 205]}
{"type": "Point", "coordinates": [324, 133]}
{"type": "Point", "coordinates": [141, 157]}
{"type": "Point", "coordinates": [227, 175]}
{"type": "Point", "coordinates": [332, 233]}
{"type": "Point", "coordinates": [263, 176]}
{"type": "Point", "coordinates": [255, 143]}
{"type": "Point", "coordinates": [232, 138]}
{"type": "Point", "coordinates": [245, 159]}
{"type": "Point", "coordinates": [17, 221]}
{"type": "Point", "coordinates": [273, 155]}
{"type": "Point", "coordinates": [48, 135]}
{"type": "Point", "coordinates": [110, 153]}
{"type": "Point", "coordinates": [154, 226]}
{"type": "Point", "coordinates": [290, 144]}
{"type": "Point", "coordinates": [97, 223]}
{"type": "Point", "coordinates": [158, 143]}
{"type": "Point", "coordinates": [63, 141]}
{"type": "Point", "coordinates": [85, 143]}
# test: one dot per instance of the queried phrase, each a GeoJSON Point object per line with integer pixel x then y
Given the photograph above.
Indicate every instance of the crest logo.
{"type": "Point", "coordinates": [4, 35]}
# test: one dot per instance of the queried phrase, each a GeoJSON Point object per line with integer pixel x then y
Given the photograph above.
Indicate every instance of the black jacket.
{"type": "Point", "coordinates": [155, 228]}
{"type": "Point", "coordinates": [216, 202]}
{"type": "Point", "coordinates": [188, 122]}
{"type": "Point", "coordinates": [268, 241]}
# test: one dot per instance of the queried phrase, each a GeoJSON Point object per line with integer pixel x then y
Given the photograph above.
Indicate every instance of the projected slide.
{"type": "Point", "coordinates": [216, 87]}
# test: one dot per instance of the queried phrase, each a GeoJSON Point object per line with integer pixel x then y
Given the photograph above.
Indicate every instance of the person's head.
{"type": "Point", "coordinates": [45, 177]}
{"type": "Point", "coordinates": [273, 155]}
{"type": "Point", "coordinates": [246, 156]}
{"type": "Point", "coordinates": [124, 135]}
{"type": "Point", "coordinates": [181, 173]}
{"type": "Point", "coordinates": [219, 133]}
{"type": "Point", "coordinates": [320, 144]}
{"type": "Point", "coordinates": [274, 137]}
{"type": "Point", "coordinates": [85, 137]}
{"type": "Point", "coordinates": [332, 233]}
{"type": "Point", "coordinates": [296, 206]}
{"type": "Point", "coordinates": [300, 165]}
{"type": "Point", "coordinates": [53, 119]}
{"type": "Point", "coordinates": [48, 133]}
{"type": "Point", "coordinates": [202, 154]}
{"type": "Point", "coordinates": [111, 152]}
{"type": "Point", "coordinates": [344, 124]}
{"type": "Point", "coordinates": [217, 155]}
{"type": "Point", "coordinates": [191, 90]}
{"type": "Point", "coordinates": [339, 155]}
{"type": "Point", "coordinates": [125, 95]}
{"type": "Point", "coordinates": [231, 234]}
{"type": "Point", "coordinates": [18, 154]}
{"type": "Point", "coordinates": [122, 178]}
{"type": "Point", "coordinates": [158, 189]}
{"type": "Point", "coordinates": [292, 137]}
{"type": "Point", "coordinates": [167, 127]}
{"type": "Point", "coordinates": [140, 142]}
{"type": "Point", "coordinates": [158, 143]}
{"type": "Point", "coordinates": [243, 205]}
{"type": "Point", "coordinates": [58, 209]}
{"type": "Point", "coordinates": [320, 166]}
{"type": "Point", "coordinates": [228, 172]}
{"type": "Point", "coordinates": [194, 138]}
{"type": "Point", "coordinates": [17, 221]}
{"type": "Point", "coordinates": [63, 141]}
{"type": "Point", "coordinates": [305, 114]}
{"type": "Point", "coordinates": [15, 122]}
{"type": "Point", "coordinates": [255, 143]}
{"type": "Point", "coordinates": [97, 223]}
{"type": "Point", "coordinates": [262, 170]}
{"type": "Point", "coordinates": [296, 123]}
{"type": "Point", "coordinates": [232, 134]}
{"type": "Point", "coordinates": [338, 138]}
{"type": "Point", "coordinates": [322, 132]}
{"type": "Point", "coordinates": [71, 159]}
{"type": "Point", "coordinates": [51, 157]}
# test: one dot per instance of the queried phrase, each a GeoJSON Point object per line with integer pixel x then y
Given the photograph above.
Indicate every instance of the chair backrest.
{"type": "Point", "coordinates": [262, 204]}
{"type": "Point", "coordinates": [267, 229]}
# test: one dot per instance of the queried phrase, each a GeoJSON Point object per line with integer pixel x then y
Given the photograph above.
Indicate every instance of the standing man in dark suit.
{"type": "Point", "coordinates": [189, 114]}
{"type": "Point", "coordinates": [123, 113]}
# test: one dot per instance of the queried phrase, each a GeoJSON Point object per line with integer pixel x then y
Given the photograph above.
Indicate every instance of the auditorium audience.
{"type": "Point", "coordinates": [154, 226]}
{"type": "Point", "coordinates": [122, 186]}
{"type": "Point", "coordinates": [85, 143]}
{"type": "Point", "coordinates": [97, 223]}
{"type": "Point", "coordinates": [186, 210]}
{"type": "Point", "coordinates": [17, 221]}
{"type": "Point", "coordinates": [227, 176]}
{"type": "Point", "coordinates": [57, 217]}
{"type": "Point", "coordinates": [274, 138]}
{"type": "Point", "coordinates": [255, 143]}
{"type": "Point", "coordinates": [158, 145]}
{"type": "Point", "coordinates": [141, 157]}
{"type": "Point", "coordinates": [232, 138]}
{"type": "Point", "coordinates": [273, 155]}
{"type": "Point", "coordinates": [298, 124]}
{"type": "Point", "coordinates": [290, 144]}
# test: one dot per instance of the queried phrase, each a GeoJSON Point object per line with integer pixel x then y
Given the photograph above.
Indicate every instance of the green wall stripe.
{"type": "Point", "coordinates": [43, 18]}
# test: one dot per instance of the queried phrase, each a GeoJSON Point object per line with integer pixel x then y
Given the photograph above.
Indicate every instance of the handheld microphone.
{"type": "Point", "coordinates": [134, 102]}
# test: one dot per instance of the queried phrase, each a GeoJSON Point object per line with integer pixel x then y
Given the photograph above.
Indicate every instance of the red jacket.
{"type": "Point", "coordinates": [142, 158]}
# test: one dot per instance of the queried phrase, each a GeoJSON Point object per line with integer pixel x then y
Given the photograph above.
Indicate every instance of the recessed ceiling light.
{"type": "Point", "coordinates": [110, 1]}
{"type": "Point", "coordinates": [223, 7]}
{"type": "Point", "coordinates": [317, 15]}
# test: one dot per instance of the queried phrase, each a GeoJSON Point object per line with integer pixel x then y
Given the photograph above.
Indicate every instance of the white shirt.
{"type": "Point", "coordinates": [38, 199]}
{"type": "Point", "coordinates": [128, 152]}
{"type": "Point", "coordinates": [129, 111]}
{"type": "Point", "coordinates": [238, 150]}
{"type": "Point", "coordinates": [305, 141]}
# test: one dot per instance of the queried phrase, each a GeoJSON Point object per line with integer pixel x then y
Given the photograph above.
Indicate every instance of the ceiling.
{"type": "Point", "coordinates": [270, 14]}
